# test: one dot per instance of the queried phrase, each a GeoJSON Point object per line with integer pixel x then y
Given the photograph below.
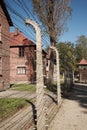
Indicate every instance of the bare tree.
{"type": "Point", "coordinates": [53, 14]}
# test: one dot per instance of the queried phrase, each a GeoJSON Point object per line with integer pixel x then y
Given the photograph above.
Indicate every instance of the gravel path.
{"type": "Point", "coordinates": [16, 94]}
{"type": "Point", "coordinates": [73, 112]}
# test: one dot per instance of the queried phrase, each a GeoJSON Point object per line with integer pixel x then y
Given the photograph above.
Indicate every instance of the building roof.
{"type": "Point", "coordinates": [2, 3]}
{"type": "Point", "coordinates": [18, 39]}
{"type": "Point", "coordinates": [83, 62]}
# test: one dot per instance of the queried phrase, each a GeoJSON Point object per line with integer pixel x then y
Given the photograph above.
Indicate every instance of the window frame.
{"type": "Point", "coordinates": [21, 70]}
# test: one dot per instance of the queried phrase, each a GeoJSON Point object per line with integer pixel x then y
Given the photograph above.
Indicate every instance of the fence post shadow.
{"type": "Point", "coordinates": [53, 99]}
{"type": "Point", "coordinates": [34, 114]}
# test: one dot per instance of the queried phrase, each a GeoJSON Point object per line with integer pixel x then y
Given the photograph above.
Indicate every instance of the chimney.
{"type": "Point", "coordinates": [16, 33]}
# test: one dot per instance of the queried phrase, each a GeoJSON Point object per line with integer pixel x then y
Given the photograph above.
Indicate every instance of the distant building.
{"type": "Point", "coordinates": [5, 23]}
{"type": "Point", "coordinates": [22, 59]}
{"type": "Point", "coordinates": [82, 66]}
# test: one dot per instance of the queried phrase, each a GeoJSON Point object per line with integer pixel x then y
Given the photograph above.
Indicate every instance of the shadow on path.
{"type": "Point", "coordinates": [79, 94]}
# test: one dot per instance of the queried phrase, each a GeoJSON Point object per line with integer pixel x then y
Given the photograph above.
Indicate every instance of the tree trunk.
{"type": "Point", "coordinates": [52, 41]}
{"type": "Point", "coordinates": [51, 68]}
{"type": "Point", "coordinates": [51, 23]}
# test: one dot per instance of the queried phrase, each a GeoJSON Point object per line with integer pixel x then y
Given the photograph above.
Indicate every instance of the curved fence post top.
{"type": "Point", "coordinates": [54, 48]}
{"type": "Point", "coordinates": [33, 23]}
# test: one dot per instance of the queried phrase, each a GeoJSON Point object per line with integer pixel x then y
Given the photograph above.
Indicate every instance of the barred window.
{"type": "Point", "coordinates": [21, 70]}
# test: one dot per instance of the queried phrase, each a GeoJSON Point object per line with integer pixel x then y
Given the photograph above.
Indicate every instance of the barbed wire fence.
{"type": "Point", "coordinates": [40, 95]}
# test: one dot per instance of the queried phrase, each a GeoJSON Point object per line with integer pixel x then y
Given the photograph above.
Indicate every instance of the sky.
{"type": "Point", "coordinates": [77, 23]}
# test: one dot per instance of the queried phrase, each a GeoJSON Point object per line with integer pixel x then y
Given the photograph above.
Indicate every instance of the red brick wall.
{"type": "Point", "coordinates": [4, 50]}
{"type": "Point", "coordinates": [28, 61]}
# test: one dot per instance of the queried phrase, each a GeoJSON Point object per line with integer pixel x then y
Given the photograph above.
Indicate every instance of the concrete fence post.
{"type": "Point", "coordinates": [39, 78]}
{"type": "Point", "coordinates": [58, 75]}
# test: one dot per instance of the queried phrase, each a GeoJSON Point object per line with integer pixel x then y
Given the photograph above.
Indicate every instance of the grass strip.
{"type": "Point", "coordinates": [9, 106]}
{"type": "Point", "coordinates": [24, 87]}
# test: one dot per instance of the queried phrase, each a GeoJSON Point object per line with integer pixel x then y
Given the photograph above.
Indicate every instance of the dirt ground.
{"type": "Point", "coordinates": [73, 112]}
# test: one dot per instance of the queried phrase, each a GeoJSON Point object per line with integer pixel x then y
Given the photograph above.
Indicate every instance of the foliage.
{"type": "Point", "coordinates": [53, 14]}
{"type": "Point", "coordinates": [81, 48]}
{"type": "Point", "coordinates": [66, 54]}
{"type": "Point", "coordinates": [70, 54]}
{"type": "Point", "coordinates": [9, 106]}
{"type": "Point", "coordinates": [24, 87]}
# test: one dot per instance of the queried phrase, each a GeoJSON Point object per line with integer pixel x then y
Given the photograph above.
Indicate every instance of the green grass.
{"type": "Point", "coordinates": [24, 87]}
{"type": "Point", "coordinates": [9, 106]}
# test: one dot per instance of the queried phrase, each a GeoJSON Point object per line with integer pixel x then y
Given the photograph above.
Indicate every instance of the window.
{"type": "Point", "coordinates": [82, 67]}
{"type": "Point", "coordinates": [0, 33]}
{"type": "Point", "coordinates": [21, 70]}
{"type": "Point", "coordinates": [0, 66]}
{"type": "Point", "coordinates": [21, 51]}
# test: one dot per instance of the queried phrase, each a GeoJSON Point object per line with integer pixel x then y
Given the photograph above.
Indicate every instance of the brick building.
{"type": "Point", "coordinates": [5, 23]}
{"type": "Point", "coordinates": [82, 66]}
{"type": "Point", "coordinates": [22, 59]}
